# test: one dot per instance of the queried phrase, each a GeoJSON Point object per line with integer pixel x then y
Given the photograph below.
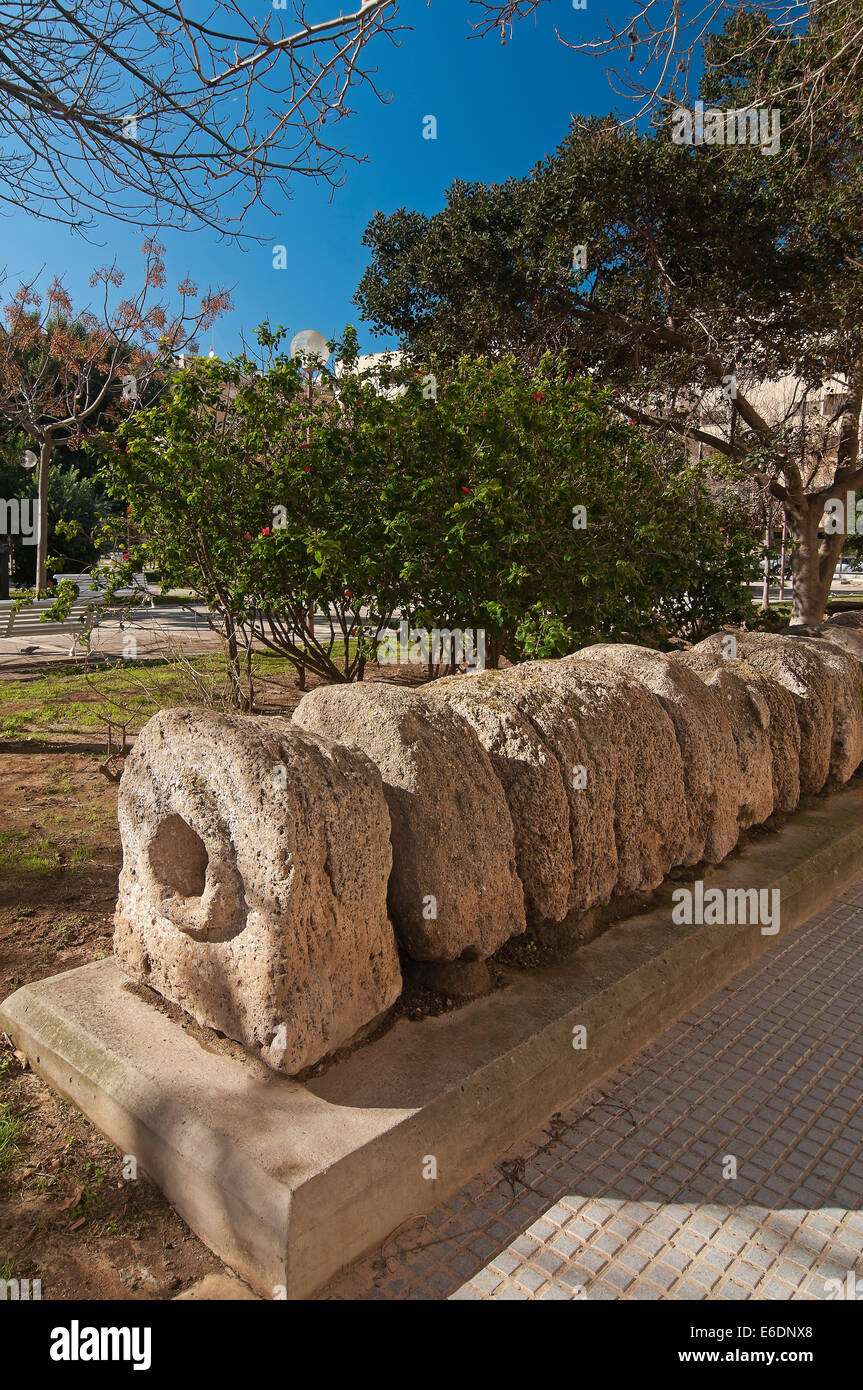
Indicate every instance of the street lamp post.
{"type": "Point", "coordinates": [312, 348]}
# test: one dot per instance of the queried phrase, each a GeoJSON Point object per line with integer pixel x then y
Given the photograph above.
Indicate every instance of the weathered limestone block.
{"type": "Point", "coordinates": [846, 749]}
{"type": "Point", "coordinates": [616, 751]}
{"type": "Point", "coordinates": [748, 714]}
{"type": "Point", "coordinates": [782, 731]}
{"type": "Point", "coordinates": [811, 682]}
{"type": "Point", "coordinates": [850, 618]}
{"type": "Point", "coordinates": [579, 734]}
{"type": "Point", "coordinates": [704, 737]}
{"type": "Point", "coordinates": [846, 635]}
{"type": "Point", "coordinates": [530, 776]}
{"type": "Point", "coordinates": [454, 889]}
{"type": "Point", "coordinates": [784, 739]}
{"type": "Point", "coordinates": [254, 884]}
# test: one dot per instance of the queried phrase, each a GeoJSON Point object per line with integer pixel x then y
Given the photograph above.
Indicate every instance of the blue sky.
{"type": "Point", "coordinates": [499, 108]}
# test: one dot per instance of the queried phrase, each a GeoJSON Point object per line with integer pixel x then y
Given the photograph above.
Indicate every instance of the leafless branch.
{"type": "Point", "coordinates": [650, 55]}
{"type": "Point", "coordinates": [172, 114]}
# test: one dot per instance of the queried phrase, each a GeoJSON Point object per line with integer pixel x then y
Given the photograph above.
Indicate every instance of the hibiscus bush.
{"type": "Point", "coordinates": [475, 498]}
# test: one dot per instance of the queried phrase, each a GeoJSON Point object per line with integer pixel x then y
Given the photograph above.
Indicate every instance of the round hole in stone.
{"type": "Point", "coordinates": [178, 858]}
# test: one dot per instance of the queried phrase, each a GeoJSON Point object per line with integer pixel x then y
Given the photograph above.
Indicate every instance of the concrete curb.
{"type": "Point", "coordinates": [288, 1183]}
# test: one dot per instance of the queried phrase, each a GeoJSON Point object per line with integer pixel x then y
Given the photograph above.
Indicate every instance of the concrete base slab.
{"type": "Point", "coordinates": [218, 1288]}
{"type": "Point", "coordinates": [289, 1182]}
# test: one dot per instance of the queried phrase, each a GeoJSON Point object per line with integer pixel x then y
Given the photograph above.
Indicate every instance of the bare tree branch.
{"type": "Point", "coordinates": [650, 55]}
{"type": "Point", "coordinates": [167, 114]}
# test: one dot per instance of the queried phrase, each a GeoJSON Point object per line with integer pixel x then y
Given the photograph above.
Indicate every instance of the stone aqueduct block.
{"type": "Point", "coordinates": [532, 782]}
{"type": "Point", "coordinates": [454, 890]}
{"type": "Point", "coordinates": [825, 686]}
{"type": "Point", "coordinates": [784, 734]}
{"type": "Point", "coordinates": [747, 709]}
{"type": "Point", "coordinates": [262, 856]}
{"type": "Point", "coordinates": [624, 836]}
{"type": "Point", "coordinates": [848, 618]}
{"type": "Point", "coordinates": [254, 884]}
{"type": "Point", "coordinates": [846, 749]}
{"type": "Point", "coordinates": [704, 736]}
{"type": "Point", "coordinates": [574, 722]}
{"type": "Point", "coordinates": [848, 636]}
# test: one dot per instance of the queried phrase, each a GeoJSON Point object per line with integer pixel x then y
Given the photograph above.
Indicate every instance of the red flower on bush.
{"type": "Point", "coordinates": [266, 531]}
{"type": "Point", "coordinates": [466, 491]}
{"type": "Point", "coordinates": [308, 468]}
{"type": "Point", "coordinates": [248, 536]}
{"type": "Point", "coordinates": [538, 396]}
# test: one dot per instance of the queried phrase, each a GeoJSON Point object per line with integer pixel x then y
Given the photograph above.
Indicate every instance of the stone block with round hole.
{"type": "Point", "coordinates": [253, 892]}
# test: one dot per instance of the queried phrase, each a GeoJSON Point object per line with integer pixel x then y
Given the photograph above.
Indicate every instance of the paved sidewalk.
{"type": "Point", "coordinates": [157, 632]}
{"type": "Point", "coordinates": [624, 1195]}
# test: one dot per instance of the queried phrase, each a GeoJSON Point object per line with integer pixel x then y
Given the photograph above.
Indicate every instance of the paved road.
{"type": "Point", "coordinates": [158, 631]}
{"type": "Point", "coordinates": [623, 1195]}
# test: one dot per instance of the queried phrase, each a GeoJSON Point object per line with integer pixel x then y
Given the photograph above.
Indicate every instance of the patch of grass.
{"type": "Point", "coordinates": [74, 919]}
{"type": "Point", "coordinates": [7, 1269]}
{"type": "Point", "coordinates": [59, 782]}
{"type": "Point", "coordinates": [64, 925]}
{"type": "Point", "coordinates": [23, 911]}
{"type": "Point", "coordinates": [79, 855]}
{"type": "Point", "coordinates": [11, 1130]}
{"type": "Point", "coordinates": [131, 691]}
{"type": "Point", "coordinates": [25, 855]}
{"type": "Point", "coordinates": [20, 853]}
{"type": "Point", "coordinates": [91, 1201]}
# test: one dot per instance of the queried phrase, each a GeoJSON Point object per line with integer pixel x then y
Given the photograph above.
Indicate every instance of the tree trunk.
{"type": "Point", "coordinates": [494, 647]}
{"type": "Point", "coordinates": [813, 564]}
{"type": "Point", "coordinates": [765, 587]}
{"type": "Point", "coordinates": [234, 668]}
{"type": "Point", "coordinates": [5, 557]}
{"type": "Point", "coordinates": [45, 450]}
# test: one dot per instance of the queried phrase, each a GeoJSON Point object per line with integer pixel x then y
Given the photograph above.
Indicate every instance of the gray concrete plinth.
{"type": "Point", "coordinates": [288, 1182]}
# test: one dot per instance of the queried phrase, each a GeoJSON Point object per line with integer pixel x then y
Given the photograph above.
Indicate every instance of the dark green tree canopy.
{"type": "Point", "coordinates": [665, 270]}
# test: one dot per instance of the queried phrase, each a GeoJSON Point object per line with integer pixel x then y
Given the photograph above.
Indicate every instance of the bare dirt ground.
{"type": "Point", "coordinates": [67, 1214]}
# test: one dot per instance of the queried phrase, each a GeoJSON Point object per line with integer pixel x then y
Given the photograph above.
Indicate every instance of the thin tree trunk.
{"type": "Point", "coordinates": [765, 588]}
{"type": "Point", "coordinates": [45, 450]}
{"type": "Point", "coordinates": [813, 564]}
{"type": "Point", "coordinates": [234, 671]}
{"type": "Point", "coordinates": [5, 563]}
{"type": "Point", "coordinates": [494, 645]}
